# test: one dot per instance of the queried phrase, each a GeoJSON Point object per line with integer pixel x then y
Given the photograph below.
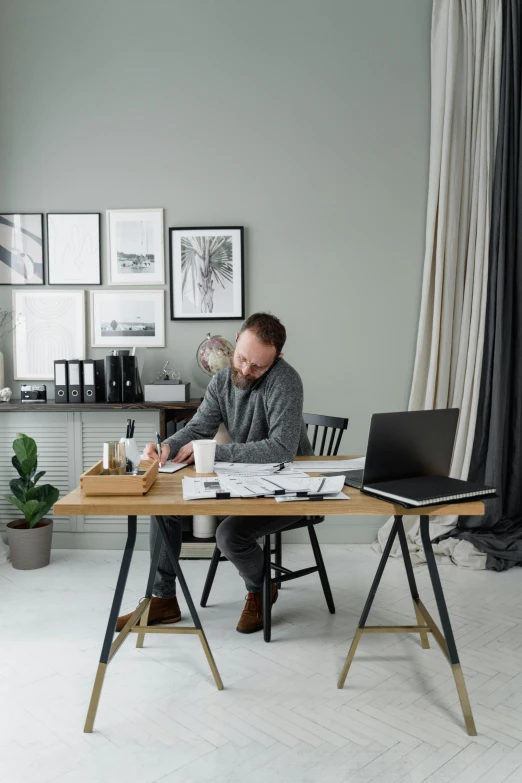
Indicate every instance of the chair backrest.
{"type": "Point", "coordinates": [333, 423]}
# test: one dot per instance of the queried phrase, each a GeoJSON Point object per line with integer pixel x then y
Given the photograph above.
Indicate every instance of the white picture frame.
{"type": "Point", "coordinates": [138, 314]}
{"type": "Point", "coordinates": [49, 325]}
{"type": "Point", "coordinates": [135, 246]}
{"type": "Point", "coordinates": [21, 249]}
{"type": "Point", "coordinates": [73, 248]}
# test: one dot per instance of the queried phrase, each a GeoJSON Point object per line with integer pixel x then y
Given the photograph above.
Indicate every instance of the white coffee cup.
{"type": "Point", "coordinates": [204, 454]}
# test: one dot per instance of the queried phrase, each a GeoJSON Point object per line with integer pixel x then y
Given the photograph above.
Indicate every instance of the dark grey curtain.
{"type": "Point", "coordinates": [497, 450]}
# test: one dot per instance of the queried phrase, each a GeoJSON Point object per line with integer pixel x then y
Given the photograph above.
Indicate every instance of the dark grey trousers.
{"type": "Point", "coordinates": [236, 537]}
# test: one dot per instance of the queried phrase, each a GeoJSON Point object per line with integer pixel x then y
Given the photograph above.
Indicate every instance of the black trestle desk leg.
{"type": "Point", "coordinates": [412, 583]}
{"type": "Point", "coordinates": [209, 581]}
{"type": "Point", "coordinates": [323, 576]}
{"type": "Point", "coordinates": [190, 603]}
{"type": "Point", "coordinates": [267, 591]}
{"type": "Point", "coordinates": [111, 625]}
{"type": "Point", "coordinates": [369, 602]}
{"type": "Point", "coordinates": [150, 586]}
{"type": "Point", "coordinates": [447, 643]}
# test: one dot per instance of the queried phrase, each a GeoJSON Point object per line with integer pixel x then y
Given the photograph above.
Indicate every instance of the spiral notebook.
{"type": "Point", "coordinates": [428, 490]}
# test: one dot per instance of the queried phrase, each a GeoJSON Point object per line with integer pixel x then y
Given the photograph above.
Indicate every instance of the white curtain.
{"type": "Point", "coordinates": [4, 552]}
{"type": "Point", "coordinates": [466, 44]}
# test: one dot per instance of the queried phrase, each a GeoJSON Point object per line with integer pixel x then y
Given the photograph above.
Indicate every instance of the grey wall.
{"type": "Point", "coordinates": [306, 121]}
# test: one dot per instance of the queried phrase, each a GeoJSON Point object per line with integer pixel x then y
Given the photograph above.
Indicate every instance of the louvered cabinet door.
{"type": "Point", "coordinates": [53, 433]}
{"type": "Point", "coordinates": [95, 429]}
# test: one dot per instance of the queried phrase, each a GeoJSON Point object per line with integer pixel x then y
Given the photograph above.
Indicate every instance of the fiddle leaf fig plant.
{"type": "Point", "coordinates": [34, 502]}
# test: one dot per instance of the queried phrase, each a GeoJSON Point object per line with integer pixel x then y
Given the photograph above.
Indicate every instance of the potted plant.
{"type": "Point", "coordinates": [30, 538]}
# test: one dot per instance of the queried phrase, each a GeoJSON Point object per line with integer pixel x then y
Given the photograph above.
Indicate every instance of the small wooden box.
{"type": "Point", "coordinates": [93, 482]}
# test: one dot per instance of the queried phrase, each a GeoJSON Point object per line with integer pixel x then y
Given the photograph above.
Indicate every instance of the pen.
{"type": "Point", "coordinates": [159, 445]}
{"type": "Point", "coordinates": [320, 485]}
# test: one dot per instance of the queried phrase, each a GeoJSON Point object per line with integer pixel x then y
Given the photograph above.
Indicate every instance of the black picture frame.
{"type": "Point", "coordinates": [79, 281]}
{"type": "Point", "coordinates": [232, 263]}
{"type": "Point", "coordinates": [5, 253]}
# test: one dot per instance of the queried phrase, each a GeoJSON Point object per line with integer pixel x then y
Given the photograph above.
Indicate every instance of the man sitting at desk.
{"type": "Point", "coordinates": [259, 399]}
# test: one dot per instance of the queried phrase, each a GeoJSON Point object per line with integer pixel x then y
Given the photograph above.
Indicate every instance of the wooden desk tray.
{"type": "Point", "coordinates": [92, 482]}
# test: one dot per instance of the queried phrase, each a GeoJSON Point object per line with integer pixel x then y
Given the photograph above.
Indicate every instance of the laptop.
{"type": "Point", "coordinates": [406, 444]}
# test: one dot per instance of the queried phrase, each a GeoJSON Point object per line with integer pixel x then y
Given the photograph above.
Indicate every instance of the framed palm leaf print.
{"type": "Point", "coordinates": [206, 274]}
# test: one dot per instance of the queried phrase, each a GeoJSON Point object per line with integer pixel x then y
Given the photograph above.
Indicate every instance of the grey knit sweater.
{"type": "Point", "coordinates": [265, 423]}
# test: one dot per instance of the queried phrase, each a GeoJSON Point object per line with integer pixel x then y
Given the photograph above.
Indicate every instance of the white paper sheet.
{"type": "Point", "coordinates": [318, 486]}
{"type": "Point", "coordinates": [251, 469]}
{"type": "Point", "coordinates": [203, 488]}
{"type": "Point", "coordinates": [315, 466]}
{"type": "Point", "coordinates": [172, 467]}
{"type": "Point", "coordinates": [295, 498]}
{"type": "Point", "coordinates": [259, 486]}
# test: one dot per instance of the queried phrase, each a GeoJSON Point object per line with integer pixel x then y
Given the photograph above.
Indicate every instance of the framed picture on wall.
{"type": "Point", "coordinates": [73, 248]}
{"type": "Point", "coordinates": [21, 249]}
{"type": "Point", "coordinates": [123, 319]}
{"type": "Point", "coordinates": [206, 274]}
{"type": "Point", "coordinates": [135, 247]}
{"type": "Point", "coordinates": [49, 325]}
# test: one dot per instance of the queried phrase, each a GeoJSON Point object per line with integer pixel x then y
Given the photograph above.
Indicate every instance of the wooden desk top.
{"type": "Point", "coordinates": [165, 497]}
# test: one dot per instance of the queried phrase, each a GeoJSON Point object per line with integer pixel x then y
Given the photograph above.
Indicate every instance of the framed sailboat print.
{"type": "Point", "coordinates": [135, 247]}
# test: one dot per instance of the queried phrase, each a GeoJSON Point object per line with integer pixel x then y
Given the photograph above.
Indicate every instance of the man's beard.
{"type": "Point", "coordinates": [239, 380]}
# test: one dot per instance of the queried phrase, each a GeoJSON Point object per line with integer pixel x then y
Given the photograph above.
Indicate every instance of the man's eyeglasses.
{"type": "Point", "coordinates": [255, 368]}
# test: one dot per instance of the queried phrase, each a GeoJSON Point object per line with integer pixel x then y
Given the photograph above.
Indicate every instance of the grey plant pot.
{"type": "Point", "coordinates": [30, 547]}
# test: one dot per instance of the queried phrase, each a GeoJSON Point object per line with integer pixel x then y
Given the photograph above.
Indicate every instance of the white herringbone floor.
{"type": "Point", "coordinates": [280, 717]}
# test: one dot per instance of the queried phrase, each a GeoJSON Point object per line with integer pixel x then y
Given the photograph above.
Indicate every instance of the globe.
{"type": "Point", "coordinates": [214, 354]}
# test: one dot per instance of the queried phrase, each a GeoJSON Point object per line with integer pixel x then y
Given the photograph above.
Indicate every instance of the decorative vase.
{"type": "Point", "coordinates": [30, 547]}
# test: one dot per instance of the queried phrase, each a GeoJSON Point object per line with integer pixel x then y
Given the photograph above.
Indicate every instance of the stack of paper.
{"type": "Point", "coordinates": [252, 469]}
{"type": "Point", "coordinates": [318, 465]}
{"type": "Point", "coordinates": [299, 487]}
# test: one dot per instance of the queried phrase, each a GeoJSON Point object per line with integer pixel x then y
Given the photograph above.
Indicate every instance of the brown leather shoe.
{"type": "Point", "coordinates": [161, 611]}
{"type": "Point", "coordinates": [251, 619]}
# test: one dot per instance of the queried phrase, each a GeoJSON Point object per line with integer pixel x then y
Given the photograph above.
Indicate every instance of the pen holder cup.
{"type": "Point", "coordinates": [114, 461]}
{"type": "Point", "coordinates": [133, 455]}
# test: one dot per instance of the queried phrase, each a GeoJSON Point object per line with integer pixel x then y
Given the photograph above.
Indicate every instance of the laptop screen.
{"type": "Point", "coordinates": [409, 444]}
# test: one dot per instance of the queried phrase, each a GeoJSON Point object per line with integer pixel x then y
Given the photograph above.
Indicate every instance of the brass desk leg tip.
{"type": "Point", "coordinates": [95, 698]}
{"type": "Point", "coordinates": [464, 699]}
{"type": "Point", "coordinates": [210, 659]}
{"type": "Point", "coordinates": [144, 619]}
{"type": "Point", "coordinates": [349, 657]}
{"type": "Point", "coordinates": [425, 644]}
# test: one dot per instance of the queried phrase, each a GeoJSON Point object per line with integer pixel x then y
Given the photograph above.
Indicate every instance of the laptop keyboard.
{"type": "Point", "coordinates": [354, 478]}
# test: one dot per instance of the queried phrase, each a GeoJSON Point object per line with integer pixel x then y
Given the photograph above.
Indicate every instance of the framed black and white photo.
{"type": "Point", "coordinates": [73, 248]}
{"type": "Point", "coordinates": [123, 319]}
{"type": "Point", "coordinates": [135, 247]}
{"type": "Point", "coordinates": [49, 325]}
{"type": "Point", "coordinates": [206, 274]}
{"type": "Point", "coordinates": [21, 249]}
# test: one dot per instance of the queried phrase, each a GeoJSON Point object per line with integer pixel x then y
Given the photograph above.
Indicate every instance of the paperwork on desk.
{"type": "Point", "coordinates": [258, 486]}
{"type": "Point", "coordinates": [253, 469]}
{"type": "Point", "coordinates": [286, 498]}
{"type": "Point", "coordinates": [172, 467]}
{"type": "Point", "coordinates": [318, 465]}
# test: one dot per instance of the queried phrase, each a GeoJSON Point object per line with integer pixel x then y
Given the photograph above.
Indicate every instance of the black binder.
{"type": "Point", "coordinates": [128, 378]}
{"type": "Point", "coordinates": [75, 380]}
{"type": "Point", "coordinates": [93, 380]}
{"type": "Point", "coordinates": [113, 378]}
{"type": "Point", "coordinates": [428, 491]}
{"type": "Point", "coordinates": [61, 381]}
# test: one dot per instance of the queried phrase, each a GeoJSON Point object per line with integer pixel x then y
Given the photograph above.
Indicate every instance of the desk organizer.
{"type": "Point", "coordinates": [94, 482]}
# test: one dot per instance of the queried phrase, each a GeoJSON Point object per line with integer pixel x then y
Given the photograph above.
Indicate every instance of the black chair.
{"type": "Point", "coordinates": [337, 426]}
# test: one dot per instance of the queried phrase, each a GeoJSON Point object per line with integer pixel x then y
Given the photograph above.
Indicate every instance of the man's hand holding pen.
{"type": "Point", "coordinates": [185, 454]}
